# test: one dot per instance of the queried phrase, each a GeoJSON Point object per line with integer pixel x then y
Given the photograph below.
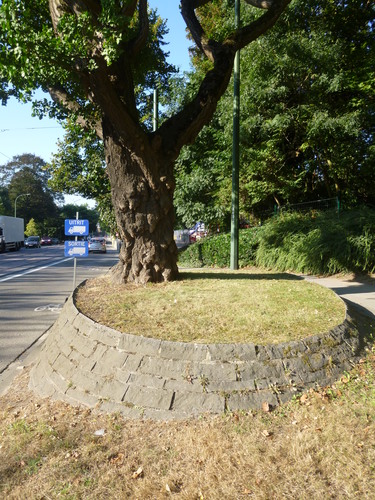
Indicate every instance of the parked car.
{"type": "Point", "coordinates": [46, 240]}
{"type": "Point", "coordinates": [97, 244]}
{"type": "Point", "coordinates": [55, 241]}
{"type": "Point", "coordinates": [32, 242]}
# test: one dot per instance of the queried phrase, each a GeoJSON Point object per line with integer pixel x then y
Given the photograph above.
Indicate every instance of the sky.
{"type": "Point", "coordinates": [21, 133]}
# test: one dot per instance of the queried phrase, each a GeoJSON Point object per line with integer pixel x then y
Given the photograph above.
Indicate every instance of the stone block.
{"type": "Point", "coordinates": [182, 350]}
{"type": "Point", "coordinates": [103, 335]}
{"type": "Point", "coordinates": [165, 368]}
{"type": "Point", "coordinates": [85, 345]}
{"type": "Point", "coordinates": [194, 403]}
{"type": "Point", "coordinates": [146, 380]}
{"type": "Point", "coordinates": [60, 383]}
{"type": "Point", "coordinates": [262, 353]}
{"type": "Point", "coordinates": [216, 371]}
{"type": "Point", "coordinates": [146, 397]}
{"type": "Point", "coordinates": [64, 367]}
{"type": "Point", "coordinates": [113, 389]}
{"type": "Point", "coordinates": [133, 362]}
{"type": "Point", "coordinates": [251, 401]}
{"type": "Point", "coordinates": [231, 352]}
{"type": "Point", "coordinates": [182, 385]}
{"type": "Point", "coordinates": [231, 386]}
{"type": "Point", "coordinates": [136, 344]}
{"type": "Point", "coordinates": [82, 397]}
{"type": "Point", "coordinates": [114, 357]}
{"type": "Point", "coordinates": [127, 411]}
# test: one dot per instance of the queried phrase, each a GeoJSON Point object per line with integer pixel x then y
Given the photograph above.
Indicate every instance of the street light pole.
{"type": "Point", "coordinates": [15, 202]}
{"type": "Point", "coordinates": [235, 153]}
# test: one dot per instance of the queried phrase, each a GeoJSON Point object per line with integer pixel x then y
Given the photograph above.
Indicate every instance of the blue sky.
{"type": "Point", "coordinates": [21, 133]}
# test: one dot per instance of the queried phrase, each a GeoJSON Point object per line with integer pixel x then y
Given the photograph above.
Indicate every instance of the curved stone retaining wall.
{"type": "Point", "coordinates": [83, 362]}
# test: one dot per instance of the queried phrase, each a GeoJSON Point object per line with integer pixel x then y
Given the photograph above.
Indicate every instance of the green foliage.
{"type": "Point", "coordinates": [215, 250]}
{"type": "Point", "coordinates": [307, 112]}
{"type": "Point", "coordinates": [314, 243]}
{"type": "Point", "coordinates": [320, 243]}
{"type": "Point", "coordinates": [32, 228]}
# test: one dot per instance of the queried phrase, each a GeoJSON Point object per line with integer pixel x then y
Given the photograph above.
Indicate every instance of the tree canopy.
{"type": "Point", "coordinates": [307, 116]}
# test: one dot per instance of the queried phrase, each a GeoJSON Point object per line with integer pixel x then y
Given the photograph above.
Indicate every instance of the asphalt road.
{"type": "Point", "coordinates": [34, 285]}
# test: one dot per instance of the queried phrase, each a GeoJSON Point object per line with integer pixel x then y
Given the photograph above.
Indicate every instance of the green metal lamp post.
{"type": "Point", "coordinates": [235, 153]}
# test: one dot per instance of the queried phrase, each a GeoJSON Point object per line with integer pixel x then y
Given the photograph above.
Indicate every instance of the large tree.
{"type": "Point", "coordinates": [89, 55]}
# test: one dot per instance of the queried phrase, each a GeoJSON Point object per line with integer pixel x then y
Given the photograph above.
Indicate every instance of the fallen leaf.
{"type": "Point", "coordinates": [265, 407]}
{"type": "Point", "coordinates": [266, 433]}
{"type": "Point", "coordinates": [117, 459]}
{"type": "Point", "coordinates": [138, 473]}
{"type": "Point", "coordinates": [303, 398]}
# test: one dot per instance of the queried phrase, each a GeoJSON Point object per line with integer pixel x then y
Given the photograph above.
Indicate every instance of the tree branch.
{"type": "Point", "coordinates": [261, 4]}
{"type": "Point", "coordinates": [140, 40]}
{"type": "Point", "coordinates": [61, 97]}
{"type": "Point", "coordinates": [129, 9]}
{"type": "Point", "coordinates": [188, 13]}
{"type": "Point", "coordinates": [244, 36]}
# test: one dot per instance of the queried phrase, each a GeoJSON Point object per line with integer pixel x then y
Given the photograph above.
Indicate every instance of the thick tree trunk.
{"type": "Point", "coordinates": [142, 196]}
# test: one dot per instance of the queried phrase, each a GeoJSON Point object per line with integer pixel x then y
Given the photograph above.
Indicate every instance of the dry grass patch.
{"type": "Point", "coordinates": [215, 306]}
{"type": "Point", "coordinates": [322, 445]}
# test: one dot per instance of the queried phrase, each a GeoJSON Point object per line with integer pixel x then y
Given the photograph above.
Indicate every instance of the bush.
{"type": "Point", "coordinates": [314, 243]}
{"type": "Point", "coordinates": [214, 251]}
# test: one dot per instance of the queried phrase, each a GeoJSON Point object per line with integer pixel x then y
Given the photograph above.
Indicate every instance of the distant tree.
{"type": "Point", "coordinates": [32, 228]}
{"type": "Point", "coordinates": [40, 204]}
{"type": "Point", "coordinates": [5, 205]}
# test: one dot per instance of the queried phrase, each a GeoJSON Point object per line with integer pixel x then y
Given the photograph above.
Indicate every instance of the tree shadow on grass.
{"type": "Point", "coordinates": [214, 275]}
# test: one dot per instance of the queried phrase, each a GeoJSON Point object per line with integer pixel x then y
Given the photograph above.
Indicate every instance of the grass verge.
{"type": "Point", "coordinates": [215, 307]}
{"type": "Point", "coordinates": [321, 445]}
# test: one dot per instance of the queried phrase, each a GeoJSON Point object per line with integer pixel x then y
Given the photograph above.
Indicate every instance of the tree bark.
{"type": "Point", "coordinates": [144, 212]}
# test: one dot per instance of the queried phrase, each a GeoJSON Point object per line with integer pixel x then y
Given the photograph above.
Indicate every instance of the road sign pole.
{"type": "Point", "coordinates": [75, 263]}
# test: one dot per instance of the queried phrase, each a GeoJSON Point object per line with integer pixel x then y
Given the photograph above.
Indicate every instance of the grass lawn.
{"type": "Point", "coordinates": [216, 306]}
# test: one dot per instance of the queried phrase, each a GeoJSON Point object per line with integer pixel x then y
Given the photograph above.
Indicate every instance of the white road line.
{"type": "Point", "coordinates": [34, 270]}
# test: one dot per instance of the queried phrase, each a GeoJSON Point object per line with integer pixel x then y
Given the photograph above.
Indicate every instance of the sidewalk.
{"type": "Point", "coordinates": [357, 290]}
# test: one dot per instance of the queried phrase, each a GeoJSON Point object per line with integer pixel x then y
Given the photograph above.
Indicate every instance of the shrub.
{"type": "Point", "coordinates": [314, 243]}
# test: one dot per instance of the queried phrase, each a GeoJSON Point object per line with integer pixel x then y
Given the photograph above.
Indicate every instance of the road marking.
{"type": "Point", "coordinates": [34, 270]}
{"type": "Point", "coordinates": [49, 307]}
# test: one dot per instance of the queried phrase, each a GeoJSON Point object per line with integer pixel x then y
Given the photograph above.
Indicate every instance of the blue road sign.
{"type": "Point", "coordinates": [76, 227]}
{"type": "Point", "coordinates": [76, 249]}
